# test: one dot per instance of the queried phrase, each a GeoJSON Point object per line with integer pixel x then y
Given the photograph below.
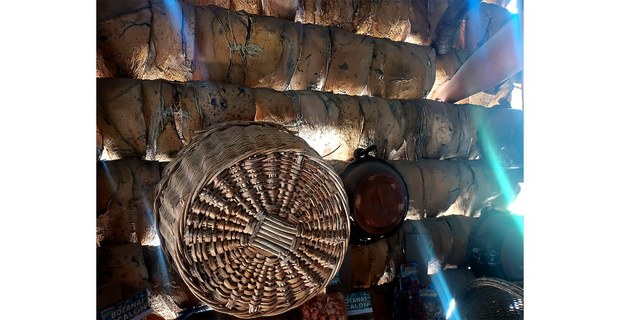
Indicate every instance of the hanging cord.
{"type": "Point", "coordinates": [359, 152]}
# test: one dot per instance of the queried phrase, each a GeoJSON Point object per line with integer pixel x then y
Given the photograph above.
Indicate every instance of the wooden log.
{"type": "Point", "coordinates": [209, 103]}
{"type": "Point", "coordinates": [349, 66]}
{"type": "Point", "coordinates": [334, 125]}
{"type": "Point", "coordinates": [184, 42]}
{"type": "Point", "coordinates": [439, 131]}
{"type": "Point", "coordinates": [442, 188]}
{"type": "Point", "coordinates": [146, 39]}
{"type": "Point", "coordinates": [284, 9]}
{"type": "Point", "coordinates": [376, 263]}
{"type": "Point", "coordinates": [369, 262]}
{"type": "Point", "coordinates": [278, 44]}
{"type": "Point", "coordinates": [327, 13]}
{"type": "Point", "coordinates": [479, 25]}
{"type": "Point", "coordinates": [397, 20]}
{"type": "Point", "coordinates": [387, 19]}
{"type": "Point", "coordinates": [346, 128]}
{"type": "Point", "coordinates": [249, 6]}
{"type": "Point", "coordinates": [220, 45]}
{"type": "Point", "coordinates": [124, 201]}
{"type": "Point", "coordinates": [103, 68]}
{"type": "Point", "coordinates": [169, 294]}
{"type": "Point", "coordinates": [496, 61]}
{"type": "Point", "coordinates": [436, 188]}
{"type": "Point", "coordinates": [124, 47]}
{"type": "Point", "coordinates": [448, 25]}
{"type": "Point", "coordinates": [439, 188]}
{"type": "Point", "coordinates": [272, 106]}
{"type": "Point", "coordinates": [311, 69]}
{"type": "Point", "coordinates": [383, 127]}
{"type": "Point", "coordinates": [124, 263]}
{"type": "Point", "coordinates": [160, 109]}
{"type": "Point", "coordinates": [171, 41]}
{"type": "Point", "coordinates": [120, 118]}
{"type": "Point", "coordinates": [441, 240]}
{"type": "Point", "coordinates": [392, 63]}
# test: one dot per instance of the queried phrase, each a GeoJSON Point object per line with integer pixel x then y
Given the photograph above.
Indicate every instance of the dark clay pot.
{"type": "Point", "coordinates": [378, 197]}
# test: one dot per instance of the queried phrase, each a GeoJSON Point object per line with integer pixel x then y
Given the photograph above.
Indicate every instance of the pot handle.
{"type": "Point", "coordinates": [359, 152]}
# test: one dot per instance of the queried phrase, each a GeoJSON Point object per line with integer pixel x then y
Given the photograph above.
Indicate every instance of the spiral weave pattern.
{"type": "Point", "coordinates": [254, 220]}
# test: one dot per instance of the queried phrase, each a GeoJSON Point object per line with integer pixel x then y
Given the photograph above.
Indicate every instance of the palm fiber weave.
{"type": "Point", "coordinates": [490, 299]}
{"type": "Point", "coordinates": [254, 220]}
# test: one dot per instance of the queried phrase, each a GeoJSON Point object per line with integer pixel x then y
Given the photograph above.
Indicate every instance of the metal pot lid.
{"type": "Point", "coordinates": [378, 197]}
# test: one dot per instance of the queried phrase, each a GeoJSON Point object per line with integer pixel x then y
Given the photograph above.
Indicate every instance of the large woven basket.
{"type": "Point", "coordinates": [489, 299]}
{"type": "Point", "coordinates": [253, 219]}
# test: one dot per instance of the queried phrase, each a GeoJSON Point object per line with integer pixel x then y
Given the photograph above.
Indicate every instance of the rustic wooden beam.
{"type": "Point", "coordinates": [413, 21]}
{"type": "Point", "coordinates": [436, 188]}
{"type": "Point", "coordinates": [177, 41]}
{"type": "Point", "coordinates": [125, 191]}
{"type": "Point", "coordinates": [153, 119]}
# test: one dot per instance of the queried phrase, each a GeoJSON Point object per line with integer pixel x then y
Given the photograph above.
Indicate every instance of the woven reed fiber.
{"type": "Point", "coordinates": [254, 220]}
{"type": "Point", "coordinates": [489, 299]}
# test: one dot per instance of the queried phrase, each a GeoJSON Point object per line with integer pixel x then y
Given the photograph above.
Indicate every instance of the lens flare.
{"type": "Point", "coordinates": [450, 309]}
{"type": "Point", "coordinates": [494, 159]}
{"type": "Point", "coordinates": [512, 7]}
{"type": "Point", "coordinates": [155, 244]}
{"type": "Point", "coordinates": [425, 248]}
{"type": "Point", "coordinates": [108, 175]}
{"type": "Point", "coordinates": [518, 205]}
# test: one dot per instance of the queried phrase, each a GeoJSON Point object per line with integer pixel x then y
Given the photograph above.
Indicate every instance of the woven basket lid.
{"type": "Point", "coordinates": [253, 219]}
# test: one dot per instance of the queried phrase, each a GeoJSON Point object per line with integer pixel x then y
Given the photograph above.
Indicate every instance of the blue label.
{"type": "Point", "coordinates": [408, 276]}
{"type": "Point", "coordinates": [136, 307]}
{"type": "Point", "coordinates": [409, 269]}
{"type": "Point", "coordinates": [358, 303]}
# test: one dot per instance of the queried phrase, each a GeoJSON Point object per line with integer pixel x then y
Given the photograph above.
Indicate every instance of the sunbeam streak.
{"type": "Point", "coordinates": [156, 244]}
{"type": "Point", "coordinates": [108, 176]}
{"type": "Point", "coordinates": [426, 250]}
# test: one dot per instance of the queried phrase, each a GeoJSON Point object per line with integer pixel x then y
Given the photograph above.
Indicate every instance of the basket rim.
{"type": "Point", "coordinates": [497, 283]}
{"type": "Point", "coordinates": [189, 198]}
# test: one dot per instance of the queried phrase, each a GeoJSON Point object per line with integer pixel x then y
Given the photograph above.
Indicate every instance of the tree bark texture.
{"type": "Point", "coordinates": [412, 21]}
{"type": "Point", "coordinates": [154, 119]}
{"type": "Point", "coordinates": [123, 265]}
{"type": "Point", "coordinates": [176, 41]}
{"type": "Point", "coordinates": [443, 240]}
